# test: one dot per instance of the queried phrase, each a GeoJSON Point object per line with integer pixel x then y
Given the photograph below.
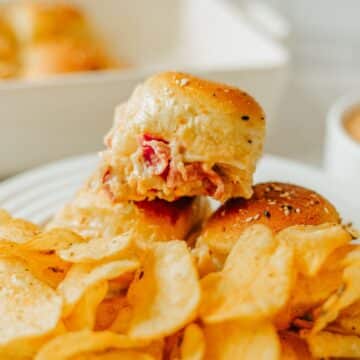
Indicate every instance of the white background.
{"type": "Point", "coordinates": [325, 48]}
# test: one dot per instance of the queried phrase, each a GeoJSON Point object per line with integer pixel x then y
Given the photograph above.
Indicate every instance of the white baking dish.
{"type": "Point", "coordinates": [67, 115]}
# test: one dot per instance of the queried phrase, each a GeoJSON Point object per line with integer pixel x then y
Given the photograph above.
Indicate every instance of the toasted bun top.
{"type": "Point", "coordinates": [201, 121]}
{"type": "Point", "coordinates": [276, 205]}
{"type": "Point", "coordinates": [204, 94]}
{"type": "Point", "coordinates": [214, 123]}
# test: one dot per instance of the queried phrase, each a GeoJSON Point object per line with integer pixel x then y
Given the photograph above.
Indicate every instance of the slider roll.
{"type": "Point", "coordinates": [183, 136]}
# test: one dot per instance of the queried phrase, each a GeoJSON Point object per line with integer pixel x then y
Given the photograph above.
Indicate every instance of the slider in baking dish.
{"type": "Point", "coordinates": [54, 39]}
{"type": "Point", "coordinates": [9, 62]}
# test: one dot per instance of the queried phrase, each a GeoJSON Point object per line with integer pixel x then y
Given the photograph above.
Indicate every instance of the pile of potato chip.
{"type": "Point", "coordinates": [294, 295]}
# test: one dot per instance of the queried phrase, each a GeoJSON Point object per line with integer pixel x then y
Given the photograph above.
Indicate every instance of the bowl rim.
{"type": "Point", "coordinates": [335, 118]}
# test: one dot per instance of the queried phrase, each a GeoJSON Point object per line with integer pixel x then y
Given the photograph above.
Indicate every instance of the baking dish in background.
{"type": "Point", "coordinates": [68, 115]}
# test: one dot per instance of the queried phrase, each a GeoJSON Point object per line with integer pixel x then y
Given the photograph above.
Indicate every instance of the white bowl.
{"type": "Point", "coordinates": [69, 114]}
{"type": "Point", "coordinates": [342, 153]}
{"type": "Point", "coordinates": [39, 193]}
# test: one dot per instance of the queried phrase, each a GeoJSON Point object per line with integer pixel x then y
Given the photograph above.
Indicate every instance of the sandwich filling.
{"type": "Point", "coordinates": [162, 161]}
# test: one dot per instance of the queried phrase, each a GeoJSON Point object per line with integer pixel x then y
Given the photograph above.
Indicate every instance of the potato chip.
{"type": "Point", "coordinates": [329, 345]}
{"type": "Point", "coordinates": [165, 295]}
{"type": "Point", "coordinates": [232, 340]}
{"type": "Point", "coordinates": [349, 325]}
{"type": "Point", "coordinates": [53, 240]}
{"type": "Point", "coordinates": [307, 294]}
{"type": "Point", "coordinates": [26, 348]}
{"type": "Point", "coordinates": [353, 256]}
{"type": "Point", "coordinates": [120, 284]}
{"type": "Point", "coordinates": [17, 231]}
{"type": "Point", "coordinates": [255, 282]}
{"type": "Point", "coordinates": [72, 344]}
{"type": "Point", "coordinates": [206, 262]}
{"type": "Point", "coordinates": [193, 343]}
{"type": "Point", "coordinates": [116, 355]}
{"type": "Point", "coordinates": [108, 310]}
{"type": "Point", "coordinates": [352, 310]}
{"type": "Point", "coordinates": [347, 294]}
{"type": "Point", "coordinates": [313, 244]}
{"type": "Point", "coordinates": [186, 344]}
{"type": "Point", "coordinates": [82, 276]}
{"type": "Point", "coordinates": [155, 349]}
{"type": "Point", "coordinates": [4, 216]}
{"type": "Point", "coordinates": [28, 307]}
{"type": "Point", "coordinates": [98, 249]}
{"type": "Point", "coordinates": [84, 314]}
{"type": "Point", "coordinates": [44, 265]}
{"type": "Point", "coordinates": [293, 347]}
{"type": "Point", "coordinates": [121, 323]}
{"type": "Point", "coordinates": [172, 345]}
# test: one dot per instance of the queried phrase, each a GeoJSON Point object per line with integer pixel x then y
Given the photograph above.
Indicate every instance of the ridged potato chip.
{"type": "Point", "coordinates": [293, 347]}
{"type": "Point", "coordinates": [155, 349]}
{"type": "Point", "coordinates": [325, 344]}
{"type": "Point", "coordinates": [347, 294]}
{"type": "Point", "coordinates": [17, 230]}
{"type": "Point", "coordinates": [232, 340]}
{"type": "Point", "coordinates": [84, 314]}
{"type": "Point", "coordinates": [24, 349]}
{"type": "Point", "coordinates": [348, 325]}
{"type": "Point", "coordinates": [53, 240]}
{"type": "Point", "coordinates": [72, 344]}
{"type": "Point", "coordinates": [193, 343]}
{"type": "Point", "coordinates": [165, 294]}
{"type": "Point", "coordinates": [121, 323]}
{"type": "Point", "coordinates": [43, 264]}
{"type": "Point", "coordinates": [107, 312]}
{"type": "Point", "coordinates": [4, 216]}
{"type": "Point", "coordinates": [116, 355]}
{"type": "Point", "coordinates": [206, 261]}
{"type": "Point", "coordinates": [255, 282]}
{"type": "Point", "coordinates": [310, 292]}
{"type": "Point", "coordinates": [314, 244]}
{"type": "Point", "coordinates": [186, 344]}
{"type": "Point", "coordinates": [28, 307]}
{"type": "Point", "coordinates": [98, 249]}
{"type": "Point", "coordinates": [82, 276]}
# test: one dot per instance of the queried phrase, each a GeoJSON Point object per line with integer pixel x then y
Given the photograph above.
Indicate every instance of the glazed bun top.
{"type": "Point", "coordinates": [219, 128]}
{"type": "Point", "coordinates": [276, 205]}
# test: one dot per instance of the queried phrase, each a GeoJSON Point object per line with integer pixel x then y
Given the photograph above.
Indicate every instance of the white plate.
{"type": "Point", "coordinates": [36, 195]}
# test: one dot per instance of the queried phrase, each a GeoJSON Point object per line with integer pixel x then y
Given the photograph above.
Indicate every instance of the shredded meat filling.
{"type": "Point", "coordinates": [157, 158]}
{"type": "Point", "coordinates": [157, 154]}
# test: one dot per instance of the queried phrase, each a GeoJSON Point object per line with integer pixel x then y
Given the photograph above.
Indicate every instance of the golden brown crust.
{"type": "Point", "coordinates": [207, 94]}
{"type": "Point", "coordinates": [204, 138]}
{"type": "Point", "coordinates": [276, 205]}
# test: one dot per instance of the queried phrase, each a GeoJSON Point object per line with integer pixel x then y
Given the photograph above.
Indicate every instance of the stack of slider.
{"type": "Point", "coordinates": [137, 267]}
{"type": "Point", "coordinates": [177, 140]}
